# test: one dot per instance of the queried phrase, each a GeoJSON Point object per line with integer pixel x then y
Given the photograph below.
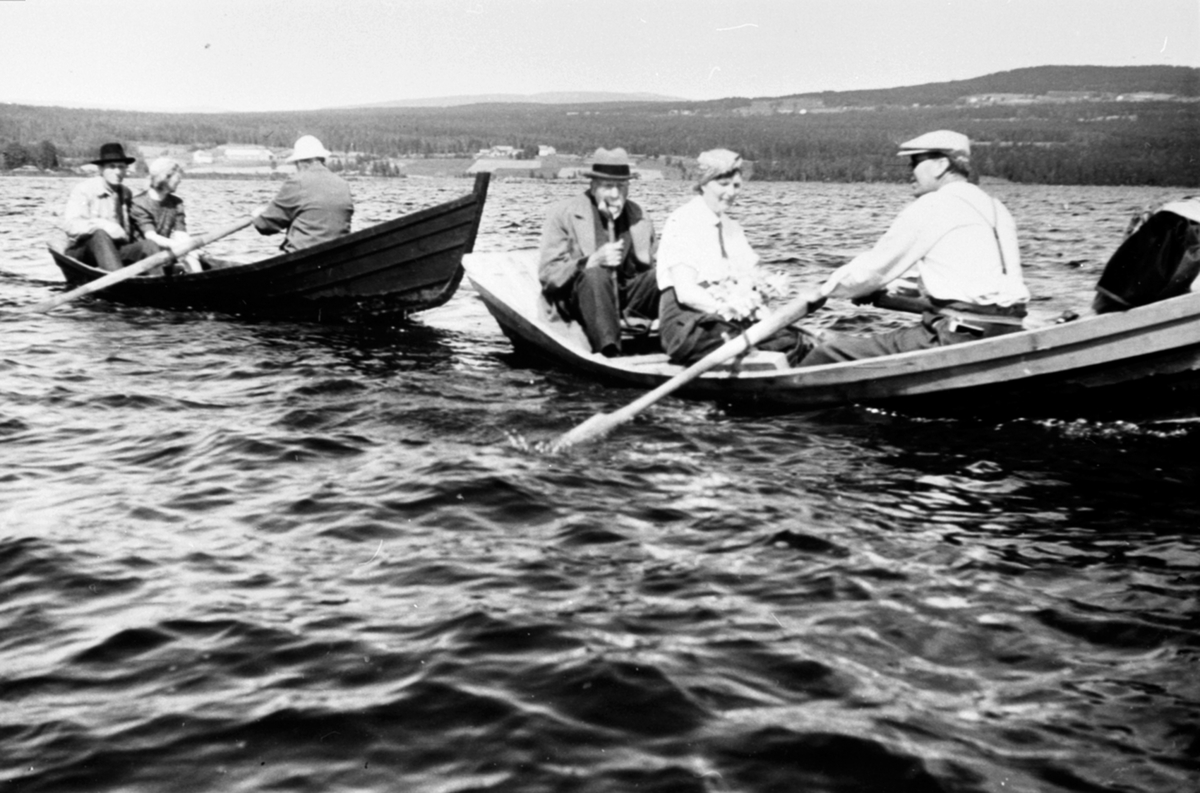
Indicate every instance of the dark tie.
{"type": "Point", "coordinates": [117, 205]}
{"type": "Point", "coordinates": [721, 239]}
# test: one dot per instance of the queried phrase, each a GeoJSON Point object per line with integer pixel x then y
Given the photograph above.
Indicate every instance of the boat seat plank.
{"type": "Point", "coordinates": [755, 361]}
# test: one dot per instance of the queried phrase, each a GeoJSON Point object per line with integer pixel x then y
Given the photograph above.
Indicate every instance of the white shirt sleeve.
{"type": "Point", "coordinates": [892, 256]}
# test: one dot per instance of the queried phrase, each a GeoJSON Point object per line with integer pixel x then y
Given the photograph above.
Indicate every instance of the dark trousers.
{"type": "Point", "coordinates": [934, 331]}
{"type": "Point", "coordinates": [689, 335]}
{"type": "Point", "coordinates": [99, 250]}
{"type": "Point", "coordinates": [598, 302]}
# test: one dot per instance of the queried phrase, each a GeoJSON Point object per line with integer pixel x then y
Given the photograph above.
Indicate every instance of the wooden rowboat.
{"type": "Point", "coordinates": [375, 275]}
{"type": "Point", "coordinates": [1125, 364]}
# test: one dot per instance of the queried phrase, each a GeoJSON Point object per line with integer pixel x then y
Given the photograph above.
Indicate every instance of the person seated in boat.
{"type": "Point", "coordinates": [712, 287]}
{"type": "Point", "coordinates": [157, 213]}
{"type": "Point", "coordinates": [596, 255]}
{"type": "Point", "coordinates": [963, 246]}
{"type": "Point", "coordinates": [313, 206]}
{"type": "Point", "coordinates": [97, 216]}
{"type": "Point", "coordinates": [1159, 259]}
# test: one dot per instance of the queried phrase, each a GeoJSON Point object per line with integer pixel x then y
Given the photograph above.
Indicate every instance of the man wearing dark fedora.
{"type": "Point", "coordinates": [96, 217]}
{"type": "Point", "coordinates": [596, 255]}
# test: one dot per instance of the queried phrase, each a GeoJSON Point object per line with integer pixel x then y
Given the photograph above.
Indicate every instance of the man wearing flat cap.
{"type": "Point", "coordinates": [96, 217]}
{"type": "Point", "coordinates": [962, 245]}
{"type": "Point", "coordinates": [596, 259]}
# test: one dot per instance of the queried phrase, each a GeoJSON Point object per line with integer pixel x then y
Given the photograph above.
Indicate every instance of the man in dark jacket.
{"type": "Point", "coordinates": [314, 206]}
{"type": "Point", "coordinates": [596, 260]}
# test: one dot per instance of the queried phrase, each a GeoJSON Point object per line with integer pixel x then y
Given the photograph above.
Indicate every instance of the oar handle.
{"type": "Point", "coordinates": [603, 423]}
{"type": "Point", "coordinates": [918, 305]}
{"type": "Point", "coordinates": [895, 301]}
{"type": "Point", "coordinates": [137, 268]}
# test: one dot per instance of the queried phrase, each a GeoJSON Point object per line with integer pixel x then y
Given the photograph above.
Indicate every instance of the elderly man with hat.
{"type": "Point", "coordinates": [96, 217]}
{"type": "Point", "coordinates": [962, 245]}
{"type": "Point", "coordinates": [313, 206]}
{"type": "Point", "coordinates": [596, 255]}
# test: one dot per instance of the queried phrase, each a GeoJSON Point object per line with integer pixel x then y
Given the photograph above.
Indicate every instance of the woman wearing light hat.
{"type": "Point", "coordinates": [962, 244]}
{"type": "Point", "coordinates": [314, 206]}
{"type": "Point", "coordinates": [711, 285]}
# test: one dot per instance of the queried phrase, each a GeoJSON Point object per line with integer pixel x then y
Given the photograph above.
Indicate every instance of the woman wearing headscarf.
{"type": "Point", "coordinates": [711, 285]}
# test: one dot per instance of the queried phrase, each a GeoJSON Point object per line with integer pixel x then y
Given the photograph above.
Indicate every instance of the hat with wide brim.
{"type": "Point", "coordinates": [113, 152]}
{"type": "Point", "coordinates": [307, 148]}
{"type": "Point", "coordinates": [954, 145]}
{"type": "Point", "coordinates": [610, 164]}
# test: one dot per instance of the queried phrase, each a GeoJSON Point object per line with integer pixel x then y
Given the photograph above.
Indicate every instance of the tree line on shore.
{"type": "Point", "coordinates": [1104, 143]}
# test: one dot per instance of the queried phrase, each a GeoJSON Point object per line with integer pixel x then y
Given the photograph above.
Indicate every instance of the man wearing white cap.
{"type": "Point", "coordinates": [596, 253]}
{"type": "Point", "coordinates": [313, 206]}
{"type": "Point", "coordinates": [963, 246]}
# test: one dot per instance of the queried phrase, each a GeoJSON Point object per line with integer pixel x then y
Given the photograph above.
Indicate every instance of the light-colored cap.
{"type": "Point", "coordinates": [307, 148]}
{"type": "Point", "coordinates": [953, 144]}
{"type": "Point", "coordinates": [715, 163]}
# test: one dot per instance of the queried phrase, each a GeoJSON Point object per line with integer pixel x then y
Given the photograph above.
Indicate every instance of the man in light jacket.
{"type": "Point", "coordinates": [96, 217]}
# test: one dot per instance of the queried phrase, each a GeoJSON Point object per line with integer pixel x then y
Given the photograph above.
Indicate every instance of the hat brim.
{"type": "Point", "coordinates": [318, 155]}
{"type": "Point", "coordinates": [122, 160]}
{"type": "Point", "coordinates": [614, 177]}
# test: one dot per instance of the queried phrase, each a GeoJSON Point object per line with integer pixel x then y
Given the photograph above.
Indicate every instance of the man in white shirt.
{"type": "Point", "coordinates": [962, 244]}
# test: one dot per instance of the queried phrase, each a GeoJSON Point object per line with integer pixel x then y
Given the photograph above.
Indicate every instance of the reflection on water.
{"type": "Point", "coordinates": [259, 556]}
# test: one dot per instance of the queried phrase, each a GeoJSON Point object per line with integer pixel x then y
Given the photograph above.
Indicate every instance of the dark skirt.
{"type": "Point", "coordinates": [688, 335]}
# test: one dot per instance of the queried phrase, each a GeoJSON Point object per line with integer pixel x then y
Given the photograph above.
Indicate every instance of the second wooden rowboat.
{"type": "Point", "coordinates": [379, 274]}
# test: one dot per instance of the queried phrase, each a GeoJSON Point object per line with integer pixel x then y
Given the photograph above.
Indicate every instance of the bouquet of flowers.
{"type": "Point", "coordinates": [745, 298]}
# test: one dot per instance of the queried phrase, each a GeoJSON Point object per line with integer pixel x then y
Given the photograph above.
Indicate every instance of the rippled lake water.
{"type": "Point", "coordinates": [248, 556]}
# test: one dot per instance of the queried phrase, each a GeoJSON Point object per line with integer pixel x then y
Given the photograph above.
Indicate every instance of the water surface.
{"type": "Point", "coordinates": [240, 555]}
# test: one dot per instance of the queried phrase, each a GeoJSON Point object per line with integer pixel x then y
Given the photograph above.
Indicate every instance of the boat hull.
{"type": "Point", "coordinates": [1129, 364]}
{"type": "Point", "coordinates": [377, 275]}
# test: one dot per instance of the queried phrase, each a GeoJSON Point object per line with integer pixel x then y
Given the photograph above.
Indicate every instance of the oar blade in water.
{"type": "Point", "coordinates": [594, 428]}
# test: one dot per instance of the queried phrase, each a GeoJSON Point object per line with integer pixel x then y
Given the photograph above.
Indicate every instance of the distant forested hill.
{"type": "Point", "coordinates": [546, 98]}
{"type": "Point", "coordinates": [848, 136]}
{"type": "Point", "coordinates": [1039, 80]}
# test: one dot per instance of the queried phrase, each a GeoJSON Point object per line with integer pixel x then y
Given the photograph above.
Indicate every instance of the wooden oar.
{"type": "Point", "coordinates": [601, 424]}
{"type": "Point", "coordinates": [918, 304]}
{"type": "Point", "coordinates": [137, 268]}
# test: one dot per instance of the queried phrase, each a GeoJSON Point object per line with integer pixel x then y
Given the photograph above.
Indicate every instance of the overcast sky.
{"type": "Point", "coordinates": [300, 54]}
